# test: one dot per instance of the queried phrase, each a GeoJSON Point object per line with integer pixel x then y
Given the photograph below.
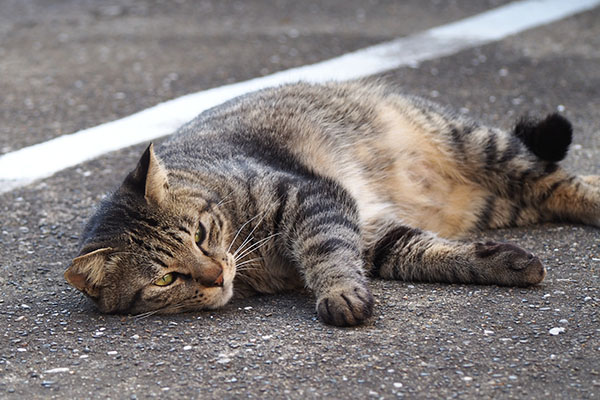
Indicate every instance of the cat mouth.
{"type": "Point", "coordinates": [225, 287]}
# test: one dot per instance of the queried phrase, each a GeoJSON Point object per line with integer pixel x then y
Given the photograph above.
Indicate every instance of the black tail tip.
{"type": "Point", "coordinates": [549, 139]}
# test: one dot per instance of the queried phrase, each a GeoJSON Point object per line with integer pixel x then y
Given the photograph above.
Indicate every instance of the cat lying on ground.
{"type": "Point", "coordinates": [323, 186]}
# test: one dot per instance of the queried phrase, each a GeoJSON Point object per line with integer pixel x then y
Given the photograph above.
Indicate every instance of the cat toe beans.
{"type": "Point", "coordinates": [509, 264]}
{"type": "Point", "coordinates": [345, 306]}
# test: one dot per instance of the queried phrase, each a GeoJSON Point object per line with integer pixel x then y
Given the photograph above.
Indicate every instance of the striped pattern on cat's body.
{"type": "Point", "coordinates": [321, 186]}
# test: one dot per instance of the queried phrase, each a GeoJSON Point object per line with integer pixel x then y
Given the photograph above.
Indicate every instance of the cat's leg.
{"type": "Point", "coordinates": [320, 228]}
{"type": "Point", "coordinates": [554, 193]}
{"type": "Point", "coordinates": [525, 183]}
{"type": "Point", "coordinates": [545, 187]}
{"type": "Point", "coordinates": [561, 196]}
{"type": "Point", "coordinates": [555, 196]}
{"type": "Point", "coordinates": [401, 252]}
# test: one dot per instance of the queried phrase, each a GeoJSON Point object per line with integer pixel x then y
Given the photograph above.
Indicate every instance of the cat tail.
{"type": "Point", "coordinates": [549, 139]}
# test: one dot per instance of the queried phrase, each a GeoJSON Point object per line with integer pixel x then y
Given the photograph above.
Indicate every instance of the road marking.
{"type": "Point", "coordinates": [26, 165]}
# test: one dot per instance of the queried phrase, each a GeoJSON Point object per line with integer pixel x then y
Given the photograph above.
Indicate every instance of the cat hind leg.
{"type": "Point", "coordinates": [565, 197]}
{"type": "Point", "coordinates": [540, 190]}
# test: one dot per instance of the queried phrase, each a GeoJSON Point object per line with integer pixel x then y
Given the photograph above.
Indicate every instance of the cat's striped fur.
{"type": "Point", "coordinates": [321, 186]}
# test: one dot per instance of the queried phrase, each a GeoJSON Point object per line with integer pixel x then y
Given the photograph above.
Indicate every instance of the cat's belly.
{"type": "Point", "coordinates": [401, 170]}
{"type": "Point", "coordinates": [447, 208]}
{"type": "Point", "coordinates": [408, 173]}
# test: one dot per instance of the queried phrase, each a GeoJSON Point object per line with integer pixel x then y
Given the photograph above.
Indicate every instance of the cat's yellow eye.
{"type": "Point", "coordinates": [200, 235]}
{"type": "Point", "coordinates": [165, 280]}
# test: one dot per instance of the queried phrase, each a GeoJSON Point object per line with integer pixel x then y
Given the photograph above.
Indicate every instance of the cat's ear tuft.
{"type": "Point", "coordinates": [87, 272]}
{"type": "Point", "coordinates": [149, 177]}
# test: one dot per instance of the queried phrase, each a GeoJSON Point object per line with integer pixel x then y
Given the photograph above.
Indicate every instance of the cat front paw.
{"type": "Point", "coordinates": [345, 306]}
{"type": "Point", "coordinates": [509, 264]}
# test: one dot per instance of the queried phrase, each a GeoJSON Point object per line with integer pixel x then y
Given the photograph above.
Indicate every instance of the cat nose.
{"type": "Point", "coordinates": [211, 276]}
{"type": "Point", "coordinates": [219, 281]}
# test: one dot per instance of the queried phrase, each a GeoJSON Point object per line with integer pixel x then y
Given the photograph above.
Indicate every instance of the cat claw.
{"type": "Point", "coordinates": [345, 306]}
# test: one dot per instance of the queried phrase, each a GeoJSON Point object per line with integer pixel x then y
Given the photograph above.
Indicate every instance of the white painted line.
{"type": "Point", "coordinates": [44, 159]}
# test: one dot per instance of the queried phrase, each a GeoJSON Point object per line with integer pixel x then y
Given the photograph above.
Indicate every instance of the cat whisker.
{"type": "Point", "coordinates": [237, 266]}
{"type": "Point", "coordinates": [251, 261]}
{"type": "Point", "coordinates": [241, 247]}
{"type": "Point", "coordinates": [240, 231]}
{"type": "Point", "coordinates": [237, 255]}
{"type": "Point", "coordinates": [255, 246]}
{"type": "Point", "coordinates": [147, 314]}
{"type": "Point", "coordinates": [180, 305]}
{"type": "Point", "coordinates": [153, 312]}
{"type": "Point", "coordinates": [220, 203]}
{"type": "Point", "coordinates": [249, 237]}
{"type": "Point", "coordinates": [245, 272]}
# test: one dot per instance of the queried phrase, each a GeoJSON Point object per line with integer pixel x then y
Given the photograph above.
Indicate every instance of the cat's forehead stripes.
{"type": "Point", "coordinates": [152, 246]}
{"type": "Point", "coordinates": [134, 214]}
{"type": "Point", "coordinates": [184, 229]}
{"type": "Point", "coordinates": [160, 262]}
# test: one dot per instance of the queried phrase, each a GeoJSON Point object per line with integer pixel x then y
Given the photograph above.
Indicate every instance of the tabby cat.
{"type": "Point", "coordinates": [323, 186]}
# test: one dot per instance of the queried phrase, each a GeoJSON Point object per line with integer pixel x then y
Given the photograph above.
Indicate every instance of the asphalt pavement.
{"type": "Point", "coordinates": [72, 64]}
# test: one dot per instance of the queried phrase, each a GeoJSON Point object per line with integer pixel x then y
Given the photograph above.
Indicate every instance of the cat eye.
{"type": "Point", "coordinates": [200, 235]}
{"type": "Point", "coordinates": [165, 280]}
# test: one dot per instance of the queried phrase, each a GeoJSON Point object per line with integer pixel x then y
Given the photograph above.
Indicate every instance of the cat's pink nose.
{"type": "Point", "coordinates": [211, 276]}
{"type": "Point", "coordinates": [219, 280]}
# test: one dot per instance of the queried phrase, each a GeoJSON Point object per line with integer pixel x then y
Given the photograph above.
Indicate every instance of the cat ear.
{"type": "Point", "coordinates": [149, 177]}
{"type": "Point", "coordinates": [87, 272]}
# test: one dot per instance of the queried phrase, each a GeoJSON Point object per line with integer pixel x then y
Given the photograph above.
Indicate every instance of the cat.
{"type": "Point", "coordinates": [322, 187]}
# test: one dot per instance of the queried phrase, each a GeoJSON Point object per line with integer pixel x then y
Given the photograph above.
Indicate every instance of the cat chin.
{"type": "Point", "coordinates": [227, 289]}
{"type": "Point", "coordinates": [224, 297]}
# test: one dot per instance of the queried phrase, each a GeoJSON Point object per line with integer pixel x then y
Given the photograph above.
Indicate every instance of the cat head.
{"type": "Point", "coordinates": [149, 247]}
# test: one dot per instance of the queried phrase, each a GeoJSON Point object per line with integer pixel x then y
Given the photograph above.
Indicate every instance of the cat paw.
{"type": "Point", "coordinates": [345, 306]}
{"type": "Point", "coordinates": [509, 264]}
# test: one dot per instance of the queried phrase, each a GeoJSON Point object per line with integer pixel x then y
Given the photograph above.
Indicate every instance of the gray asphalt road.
{"type": "Point", "coordinates": [73, 64]}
